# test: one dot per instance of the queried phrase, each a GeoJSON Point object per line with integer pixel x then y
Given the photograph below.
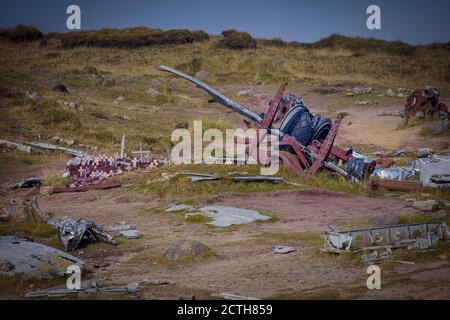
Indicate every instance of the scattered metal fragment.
{"type": "Point", "coordinates": [375, 256]}
{"type": "Point", "coordinates": [283, 249]}
{"type": "Point", "coordinates": [223, 216]}
{"type": "Point", "coordinates": [393, 173]}
{"type": "Point", "coordinates": [16, 146]}
{"type": "Point", "coordinates": [405, 262]}
{"type": "Point", "coordinates": [336, 242]}
{"type": "Point", "coordinates": [199, 176]}
{"type": "Point", "coordinates": [5, 215]}
{"type": "Point", "coordinates": [171, 207]}
{"type": "Point", "coordinates": [433, 173]}
{"type": "Point", "coordinates": [26, 183]}
{"type": "Point", "coordinates": [71, 232]}
{"type": "Point", "coordinates": [411, 236]}
{"type": "Point", "coordinates": [259, 179]}
{"type": "Point", "coordinates": [226, 160]}
{"type": "Point", "coordinates": [440, 180]}
{"type": "Point", "coordinates": [231, 296]}
{"type": "Point", "coordinates": [158, 282]}
{"type": "Point", "coordinates": [424, 152]}
{"type": "Point", "coordinates": [95, 186]}
{"type": "Point", "coordinates": [130, 234]}
{"type": "Point", "coordinates": [400, 152]}
{"type": "Point", "coordinates": [64, 292]}
{"type": "Point", "coordinates": [121, 227]}
{"type": "Point", "coordinates": [33, 258]}
{"type": "Point", "coordinates": [48, 146]}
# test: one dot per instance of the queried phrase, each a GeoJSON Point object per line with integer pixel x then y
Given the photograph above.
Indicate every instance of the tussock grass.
{"type": "Point", "coordinates": [27, 229]}
{"type": "Point", "coordinates": [52, 178]}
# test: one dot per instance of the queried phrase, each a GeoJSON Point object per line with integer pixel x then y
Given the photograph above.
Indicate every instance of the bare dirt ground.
{"type": "Point", "coordinates": [243, 262]}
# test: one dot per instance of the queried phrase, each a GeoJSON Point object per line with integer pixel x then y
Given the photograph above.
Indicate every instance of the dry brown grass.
{"type": "Point", "coordinates": [30, 66]}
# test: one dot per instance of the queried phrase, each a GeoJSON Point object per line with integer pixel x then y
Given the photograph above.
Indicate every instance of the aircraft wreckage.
{"type": "Point", "coordinates": [306, 140]}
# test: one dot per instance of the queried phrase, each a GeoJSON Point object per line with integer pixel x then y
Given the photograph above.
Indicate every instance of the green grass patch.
{"type": "Point", "coordinates": [27, 229]}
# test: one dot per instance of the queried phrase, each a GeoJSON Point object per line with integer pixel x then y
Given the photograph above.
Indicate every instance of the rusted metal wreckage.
{"type": "Point", "coordinates": [424, 102]}
{"type": "Point", "coordinates": [306, 140]}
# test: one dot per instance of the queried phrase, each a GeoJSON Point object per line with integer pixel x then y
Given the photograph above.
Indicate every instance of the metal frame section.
{"type": "Point", "coordinates": [411, 236]}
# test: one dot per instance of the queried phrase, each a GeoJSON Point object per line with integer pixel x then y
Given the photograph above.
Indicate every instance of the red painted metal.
{"type": "Point", "coordinates": [274, 104]}
{"type": "Point", "coordinates": [326, 146]}
{"type": "Point", "coordinates": [291, 162]}
{"type": "Point", "coordinates": [297, 147]}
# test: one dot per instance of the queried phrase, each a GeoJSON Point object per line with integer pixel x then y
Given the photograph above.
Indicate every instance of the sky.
{"type": "Point", "coordinates": [411, 21]}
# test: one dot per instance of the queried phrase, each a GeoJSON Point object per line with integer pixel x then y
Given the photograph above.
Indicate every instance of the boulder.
{"type": "Point", "coordinates": [185, 249]}
{"type": "Point", "coordinates": [244, 93]}
{"type": "Point", "coordinates": [427, 205]}
{"type": "Point", "coordinates": [202, 75]}
{"type": "Point", "coordinates": [390, 92]}
{"type": "Point", "coordinates": [60, 88]}
{"type": "Point", "coordinates": [153, 93]}
{"type": "Point", "coordinates": [358, 90]}
{"type": "Point", "coordinates": [436, 127]}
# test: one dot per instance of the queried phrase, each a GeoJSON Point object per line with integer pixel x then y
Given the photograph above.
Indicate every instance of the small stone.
{"type": "Point", "coordinates": [283, 249]}
{"type": "Point", "coordinates": [45, 190]}
{"type": "Point", "coordinates": [359, 90]}
{"type": "Point", "coordinates": [244, 93]}
{"type": "Point", "coordinates": [427, 205]}
{"type": "Point", "coordinates": [364, 102]}
{"type": "Point", "coordinates": [408, 198]}
{"type": "Point", "coordinates": [441, 214]}
{"type": "Point", "coordinates": [442, 256]}
{"type": "Point", "coordinates": [33, 96]}
{"type": "Point", "coordinates": [153, 93]}
{"type": "Point", "coordinates": [5, 215]}
{"type": "Point", "coordinates": [424, 152]}
{"type": "Point", "coordinates": [390, 92]}
{"type": "Point", "coordinates": [6, 266]}
{"type": "Point", "coordinates": [106, 81]}
{"type": "Point", "coordinates": [119, 99]}
{"type": "Point", "coordinates": [436, 127]}
{"type": "Point", "coordinates": [60, 88]}
{"type": "Point", "coordinates": [419, 115]}
{"type": "Point", "coordinates": [202, 75]}
{"type": "Point", "coordinates": [74, 105]}
{"type": "Point", "coordinates": [130, 234]}
{"type": "Point", "coordinates": [184, 249]}
{"type": "Point", "coordinates": [277, 62]}
{"type": "Point", "coordinates": [182, 125]}
{"type": "Point", "coordinates": [173, 207]}
{"type": "Point", "coordinates": [101, 265]}
{"type": "Point", "coordinates": [133, 287]}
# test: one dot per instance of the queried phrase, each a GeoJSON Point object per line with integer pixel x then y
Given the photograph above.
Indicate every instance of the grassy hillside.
{"type": "Point", "coordinates": [111, 83]}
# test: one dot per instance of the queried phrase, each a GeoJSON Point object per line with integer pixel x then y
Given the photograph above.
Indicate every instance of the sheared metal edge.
{"type": "Point", "coordinates": [73, 152]}
{"type": "Point", "coordinates": [339, 242]}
